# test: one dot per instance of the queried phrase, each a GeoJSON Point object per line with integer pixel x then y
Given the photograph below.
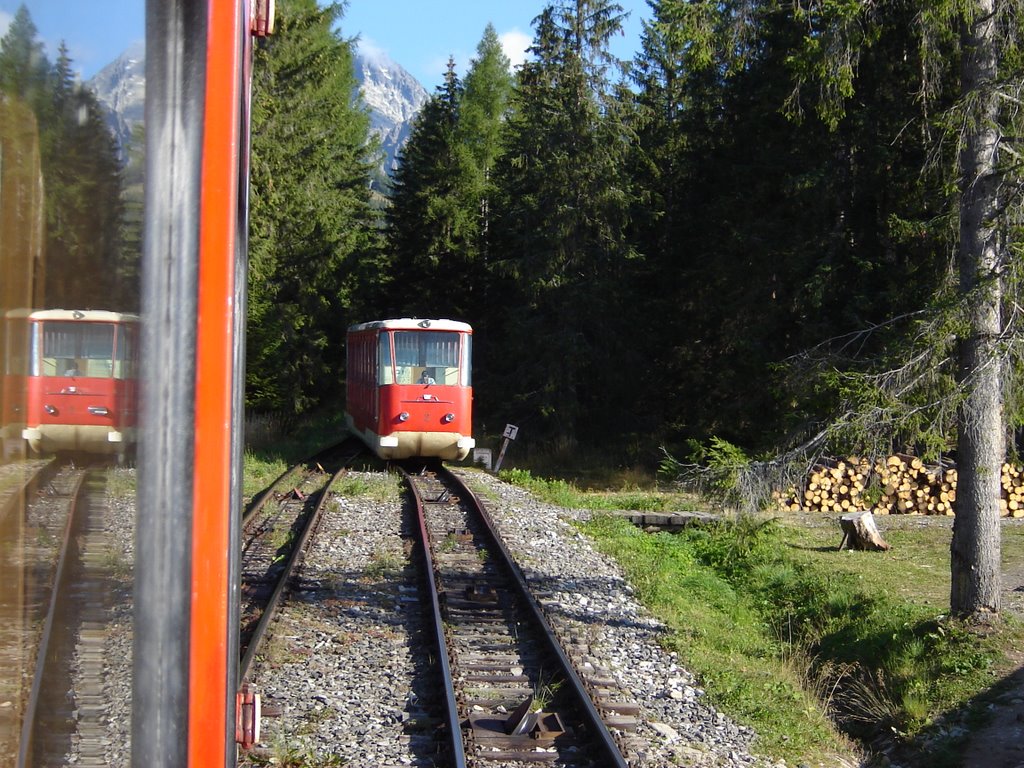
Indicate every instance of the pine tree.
{"type": "Point", "coordinates": [313, 234]}
{"type": "Point", "coordinates": [562, 229]}
{"type": "Point", "coordinates": [433, 224]}
{"type": "Point", "coordinates": [482, 112]}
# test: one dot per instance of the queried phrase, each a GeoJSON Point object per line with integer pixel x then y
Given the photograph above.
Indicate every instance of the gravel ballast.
{"type": "Point", "coordinates": [347, 673]}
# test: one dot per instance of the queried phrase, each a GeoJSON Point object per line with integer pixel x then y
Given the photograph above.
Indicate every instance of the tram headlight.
{"type": "Point", "coordinates": [50, 410]}
{"type": "Point", "coordinates": [448, 418]}
{"type": "Point", "coordinates": [403, 416]}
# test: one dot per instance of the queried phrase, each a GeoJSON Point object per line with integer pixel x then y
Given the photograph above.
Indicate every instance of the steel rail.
{"type": "Point", "coordinates": [293, 558]}
{"type": "Point", "coordinates": [590, 714]}
{"type": "Point", "coordinates": [56, 596]}
{"type": "Point", "coordinates": [451, 706]}
{"type": "Point", "coordinates": [257, 502]}
{"type": "Point", "coordinates": [37, 476]}
{"type": "Point", "coordinates": [263, 496]}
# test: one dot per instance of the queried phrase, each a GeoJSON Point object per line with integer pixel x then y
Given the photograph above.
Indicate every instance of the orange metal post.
{"type": "Point", "coordinates": [209, 673]}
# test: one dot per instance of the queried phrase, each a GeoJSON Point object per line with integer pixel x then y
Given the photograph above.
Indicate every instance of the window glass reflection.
{"type": "Point", "coordinates": [71, 179]}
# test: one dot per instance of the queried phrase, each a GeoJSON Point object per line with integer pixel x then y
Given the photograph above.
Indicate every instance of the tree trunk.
{"type": "Point", "coordinates": [860, 532]}
{"type": "Point", "coordinates": [974, 551]}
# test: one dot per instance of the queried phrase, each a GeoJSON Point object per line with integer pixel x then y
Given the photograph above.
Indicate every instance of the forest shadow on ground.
{"type": "Point", "coordinates": [985, 732]}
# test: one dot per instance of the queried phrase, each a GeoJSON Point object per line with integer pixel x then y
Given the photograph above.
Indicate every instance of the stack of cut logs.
{"type": "Point", "coordinates": [901, 484]}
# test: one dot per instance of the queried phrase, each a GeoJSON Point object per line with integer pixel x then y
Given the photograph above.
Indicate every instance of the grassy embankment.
{"type": "Point", "coordinates": [273, 444]}
{"type": "Point", "coordinates": [815, 648]}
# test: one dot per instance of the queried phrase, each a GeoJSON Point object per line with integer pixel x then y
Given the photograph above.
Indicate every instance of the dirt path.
{"type": "Point", "coordinates": [1001, 743]}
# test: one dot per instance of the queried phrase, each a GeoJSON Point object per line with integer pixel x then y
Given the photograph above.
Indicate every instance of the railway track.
{"type": "Point", "coordinates": [514, 695]}
{"type": "Point", "coordinates": [57, 543]}
{"type": "Point", "coordinates": [352, 672]}
{"type": "Point", "coordinates": [275, 531]}
{"type": "Point", "coordinates": [74, 721]}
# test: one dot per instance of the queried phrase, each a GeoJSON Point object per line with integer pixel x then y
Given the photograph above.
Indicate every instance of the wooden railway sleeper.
{"type": "Point", "coordinates": [481, 593]}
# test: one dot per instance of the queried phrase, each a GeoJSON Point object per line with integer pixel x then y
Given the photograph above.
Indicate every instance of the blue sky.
{"type": "Point", "coordinates": [418, 34]}
{"type": "Point", "coordinates": [95, 31]}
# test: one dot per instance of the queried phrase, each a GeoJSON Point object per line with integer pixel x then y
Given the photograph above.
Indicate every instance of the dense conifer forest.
{"type": "Point", "coordinates": [781, 229]}
{"type": "Point", "coordinates": [750, 231]}
{"type": "Point", "coordinates": [88, 228]}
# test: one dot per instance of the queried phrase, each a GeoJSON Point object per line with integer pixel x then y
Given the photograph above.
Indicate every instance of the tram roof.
{"type": "Point", "coordinates": [83, 315]}
{"type": "Point", "coordinates": [412, 324]}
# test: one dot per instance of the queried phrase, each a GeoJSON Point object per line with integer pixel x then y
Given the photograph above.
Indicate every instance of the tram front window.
{"type": "Point", "coordinates": [77, 349]}
{"type": "Point", "coordinates": [422, 355]}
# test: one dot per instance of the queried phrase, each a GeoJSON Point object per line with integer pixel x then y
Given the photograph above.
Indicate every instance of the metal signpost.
{"type": "Point", "coordinates": [511, 430]}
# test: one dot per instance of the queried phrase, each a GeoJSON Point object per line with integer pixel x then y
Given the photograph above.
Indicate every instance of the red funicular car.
{"type": "Point", "coordinates": [80, 381]}
{"type": "Point", "coordinates": [409, 391]}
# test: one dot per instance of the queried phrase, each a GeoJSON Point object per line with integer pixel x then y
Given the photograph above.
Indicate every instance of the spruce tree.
{"type": "Point", "coordinates": [313, 234]}
{"type": "Point", "coordinates": [979, 41]}
{"type": "Point", "coordinates": [767, 233]}
{"type": "Point", "coordinates": [432, 222]}
{"type": "Point", "coordinates": [83, 199]}
{"type": "Point", "coordinates": [133, 179]}
{"type": "Point", "coordinates": [562, 229]}
{"type": "Point", "coordinates": [990, 199]}
{"type": "Point", "coordinates": [24, 68]}
{"type": "Point", "coordinates": [80, 171]}
{"type": "Point", "coordinates": [949, 73]}
{"type": "Point", "coordinates": [485, 101]}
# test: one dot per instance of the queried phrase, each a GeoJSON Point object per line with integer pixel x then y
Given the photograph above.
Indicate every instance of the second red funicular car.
{"type": "Point", "coordinates": [409, 391]}
{"type": "Point", "coordinates": [80, 382]}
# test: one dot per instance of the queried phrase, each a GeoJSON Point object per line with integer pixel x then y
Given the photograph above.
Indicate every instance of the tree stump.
{"type": "Point", "coordinates": [860, 532]}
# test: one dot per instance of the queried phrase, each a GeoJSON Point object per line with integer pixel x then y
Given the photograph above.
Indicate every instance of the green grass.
{"type": "Point", "coordinates": [259, 472]}
{"type": "Point", "coordinates": [376, 487]}
{"type": "Point", "coordinates": [811, 646]}
{"type": "Point", "coordinates": [384, 565]}
{"type": "Point", "coordinates": [275, 443]}
{"type": "Point", "coordinates": [121, 483]}
{"type": "Point", "coordinates": [719, 631]}
{"type": "Point", "coordinates": [294, 751]}
{"type": "Point", "coordinates": [585, 466]}
{"type": "Point", "coordinates": [567, 494]}
{"type": "Point", "coordinates": [788, 642]}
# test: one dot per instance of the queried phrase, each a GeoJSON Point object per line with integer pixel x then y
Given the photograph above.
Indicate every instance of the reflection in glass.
{"type": "Point", "coordinates": [70, 240]}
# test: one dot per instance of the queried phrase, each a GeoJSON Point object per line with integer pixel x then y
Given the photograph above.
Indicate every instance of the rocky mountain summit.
{"type": "Point", "coordinates": [393, 96]}
{"type": "Point", "coordinates": [121, 88]}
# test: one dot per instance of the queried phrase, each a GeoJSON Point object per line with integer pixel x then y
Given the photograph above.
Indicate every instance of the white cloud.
{"type": "Point", "coordinates": [371, 50]}
{"type": "Point", "coordinates": [515, 43]}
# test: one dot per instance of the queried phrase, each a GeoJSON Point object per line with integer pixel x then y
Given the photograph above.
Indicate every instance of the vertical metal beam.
{"type": "Point", "coordinates": [175, 86]}
{"type": "Point", "coordinates": [214, 653]}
